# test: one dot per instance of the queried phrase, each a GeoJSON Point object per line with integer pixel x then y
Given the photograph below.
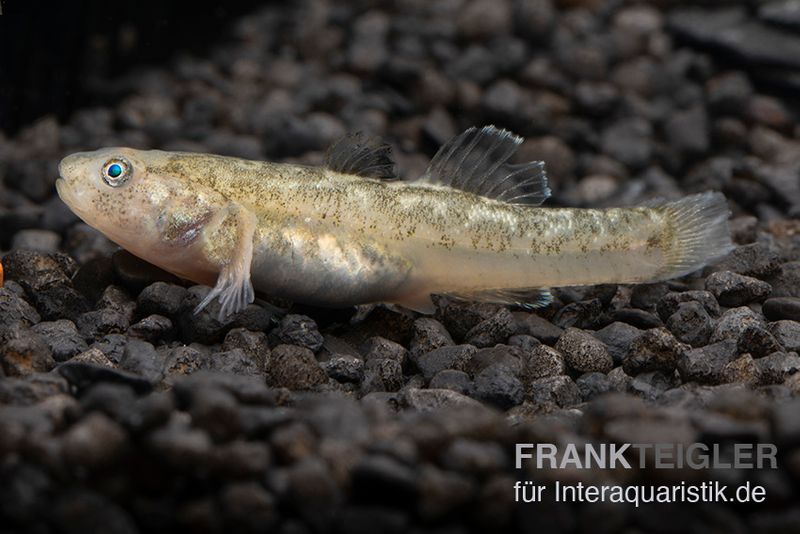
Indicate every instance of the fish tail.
{"type": "Point", "coordinates": [700, 234]}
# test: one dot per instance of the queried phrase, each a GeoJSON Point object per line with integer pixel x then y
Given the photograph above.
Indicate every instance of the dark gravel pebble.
{"type": "Point", "coordinates": [294, 367]}
{"type": "Point", "coordinates": [558, 391]}
{"type": "Point", "coordinates": [453, 357]}
{"type": "Point", "coordinates": [297, 330]}
{"type": "Point", "coordinates": [691, 324]}
{"type": "Point", "coordinates": [782, 308]}
{"type": "Point", "coordinates": [733, 289]}
{"type": "Point", "coordinates": [498, 386]}
{"type": "Point", "coordinates": [655, 350]}
{"type": "Point", "coordinates": [617, 337]}
{"type": "Point", "coordinates": [452, 379]}
{"type": "Point", "coordinates": [62, 337]}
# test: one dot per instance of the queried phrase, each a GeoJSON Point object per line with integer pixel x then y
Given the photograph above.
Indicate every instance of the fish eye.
{"type": "Point", "coordinates": [117, 171]}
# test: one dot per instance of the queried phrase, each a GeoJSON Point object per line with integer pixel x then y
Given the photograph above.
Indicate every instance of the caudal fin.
{"type": "Point", "coordinates": [701, 233]}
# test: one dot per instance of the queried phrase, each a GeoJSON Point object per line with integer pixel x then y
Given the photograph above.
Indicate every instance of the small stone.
{"type": "Point", "coordinates": [543, 362]}
{"type": "Point", "coordinates": [429, 334]}
{"type": "Point", "coordinates": [733, 289]}
{"type": "Point", "coordinates": [313, 487]}
{"type": "Point", "coordinates": [642, 319]}
{"type": "Point", "coordinates": [217, 412]}
{"type": "Point", "coordinates": [425, 400]}
{"type": "Point", "coordinates": [629, 141]}
{"type": "Point", "coordinates": [453, 380]}
{"type": "Point", "coordinates": [83, 375]}
{"type": "Point", "coordinates": [778, 308]}
{"type": "Point", "coordinates": [655, 350]}
{"type": "Point", "coordinates": [758, 341]}
{"type": "Point", "coordinates": [755, 259]}
{"type": "Point", "coordinates": [62, 337]}
{"type": "Point", "coordinates": [617, 337]}
{"type": "Point", "coordinates": [687, 130]}
{"type": "Point", "coordinates": [183, 361]}
{"type": "Point", "coordinates": [93, 356]}
{"type": "Point", "coordinates": [94, 441]}
{"type": "Point", "coordinates": [583, 352]}
{"type": "Point", "coordinates": [442, 492]}
{"type": "Point", "coordinates": [787, 333]}
{"type": "Point", "coordinates": [524, 342]}
{"type": "Point", "coordinates": [480, 19]}
{"type": "Point", "coordinates": [493, 330]}
{"type": "Point", "coordinates": [112, 345]}
{"type": "Point", "coordinates": [538, 327]}
{"type": "Point", "coordinates": [241, 459]}
{"type": "Point", "coordinates": [14, 312]}
{"type": "Point", "coordinates": [558, 391]}
{"type": "Point", "coordinates": [254, 344]}
{"type": "Point", "coordinates": [344, 368]}
{"type": "Point", "coordinates": [777, 367]}
{"type": "Point", "coordinates": [381, 348]}
{"type": "Point", "coordinates": [584, 314]}
{"type": "Point", "coordinates": [461, 316]}
{"type": "Point", "coordinates": [142, 359]}
{"type": "Point", "coordinates": [511, 357]}
{"type": "Point", "coordinates": [295, 368]}
{"type": "Point", "coordinates": [180, 445]}
{"type": "Point", "coordinates": [742, 370]}
{"type": "Point", "coordinates": [733, 322]}
{"type": "Point", "coordinates": [236, 361]}
{"type": "Point", "coordinates": [647, 296]}
{"type": "Point", "coordinates": [668, 304]}
{"type": "Point", "coordinates": [298, 330]}
{"type": "Point", "coordinates": [705, 365]}
{"type": "Point", "coordinates": [497, 385]}
{"type": "Point", "coordinates": [384, 478]}
{"type": "Point", "coordinates": [153, 328]}
{"type": "Point", "coordinates": [691, 324]}
{"type": "Point", "coordinates": [449, 357]}
{"type": "Point", "coordinates": [382, 374]}
{"type": "Point", "coordinates": [593, 385]}
{"type": "Point", "coordinates": [25, 353]}
{"type": "Point", "coordinates": [161, 298]}
{"type": "Point", "coordinates": [96, 324]}
{"type": "Point", "coordinates": [474, 457]}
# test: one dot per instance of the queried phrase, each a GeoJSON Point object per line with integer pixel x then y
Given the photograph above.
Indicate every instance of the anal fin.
{"type": "Point", "coordinates": [526, 297]}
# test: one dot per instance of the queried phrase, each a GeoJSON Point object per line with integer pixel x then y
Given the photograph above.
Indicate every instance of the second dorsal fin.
{"type": "Point", "coordinates": [477, 161]}
{"type": "Point", "coordinates": [359, 154]}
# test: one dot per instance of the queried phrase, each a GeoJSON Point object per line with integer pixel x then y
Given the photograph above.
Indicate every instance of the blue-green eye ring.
{"type": "Point", "coordinates": [117, 171]}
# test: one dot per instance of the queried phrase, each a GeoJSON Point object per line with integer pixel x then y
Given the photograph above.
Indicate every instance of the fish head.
{"type": "Point", "coordinates": [115, 191]}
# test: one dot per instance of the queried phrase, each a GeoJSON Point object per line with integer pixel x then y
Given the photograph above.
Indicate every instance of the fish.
{"type": "Point", "coordinates": [350, 232]}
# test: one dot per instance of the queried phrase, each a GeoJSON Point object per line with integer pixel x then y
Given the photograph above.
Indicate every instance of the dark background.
{"type": "Point", "coordinates": [60, 56]}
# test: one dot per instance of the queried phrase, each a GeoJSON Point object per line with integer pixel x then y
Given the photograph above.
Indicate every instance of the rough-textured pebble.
{"type": "Point", "coordinates": [583, 352]}
{"type": "Point", "coordinates": [733, 289]}
{"type": "Point", "coordinates": [655, 350]}
{"type": "Point", "coordinates": [294, 367]}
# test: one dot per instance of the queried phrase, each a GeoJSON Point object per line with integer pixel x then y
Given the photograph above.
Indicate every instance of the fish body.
{"type": "Point", "coordinates": [331, 236]}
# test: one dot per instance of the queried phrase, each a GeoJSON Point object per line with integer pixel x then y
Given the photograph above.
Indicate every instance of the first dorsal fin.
{"type": "Point", "coordinates": [359, 154]}
{"type": "Point", "coordinates": [477, 161]}
{"type": "Point", "coordinates": [526, 297]}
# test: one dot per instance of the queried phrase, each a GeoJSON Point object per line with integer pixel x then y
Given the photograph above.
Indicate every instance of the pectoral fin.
{"type": "Point", "coordinates": [529, 298]}
{"type": "Point", "coordinates": [228, 243]}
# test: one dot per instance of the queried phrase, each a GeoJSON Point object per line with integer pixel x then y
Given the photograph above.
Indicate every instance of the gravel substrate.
{"type": "Point", "coordinates": [121, 411]}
